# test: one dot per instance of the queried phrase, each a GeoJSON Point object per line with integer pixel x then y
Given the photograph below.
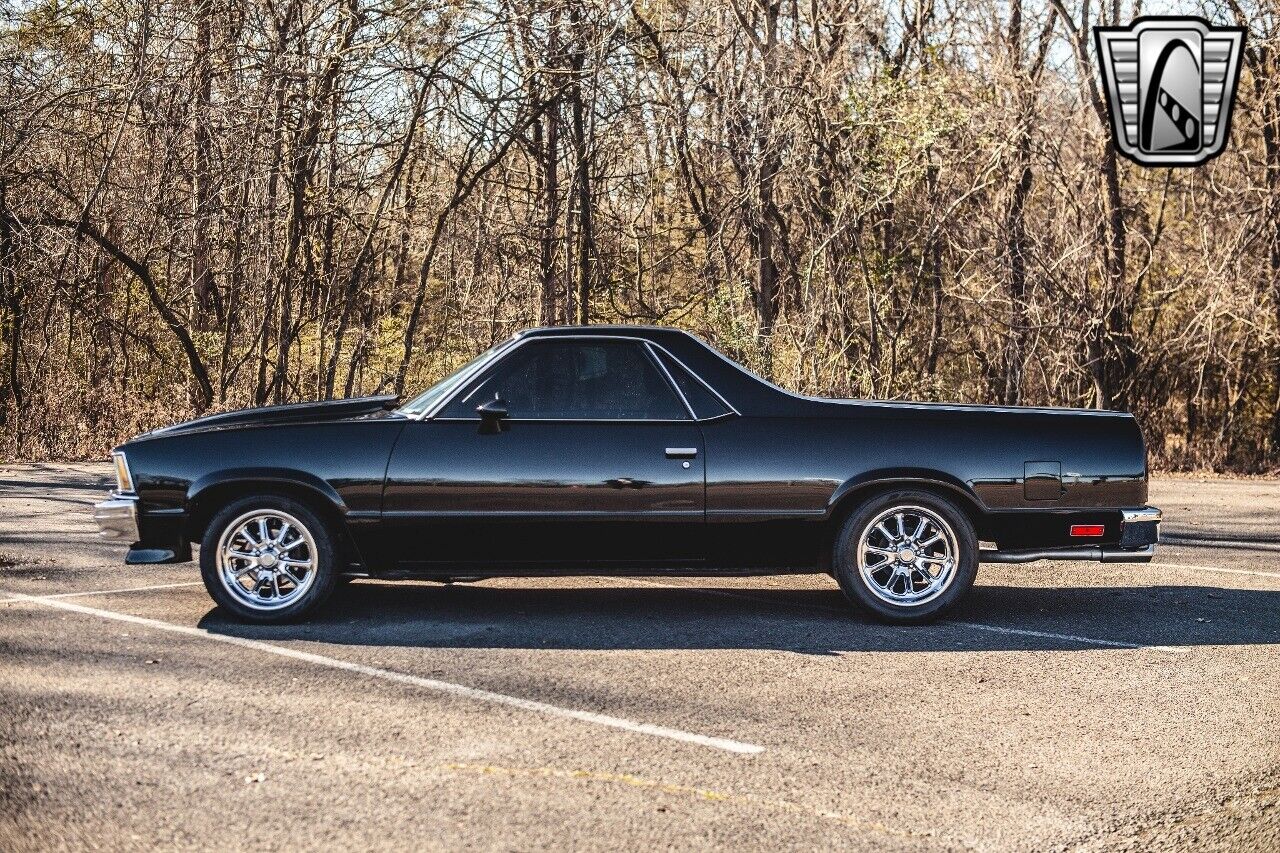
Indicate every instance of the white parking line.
{"type": "Point", "coordinates": [121, 590]}
{"type": "Point", "coordinates": [1187, 541]}
{"type": "Point", "coordinates": [432, 684]}
{"type": "Point", "coordinates": [1048, 635]}
{"type": "Point", "coordinates": [1217, 569]}
{"type": "Point", "coordinates": [19, 597]}
{"type": "Point", "coordinates": [981, 626]}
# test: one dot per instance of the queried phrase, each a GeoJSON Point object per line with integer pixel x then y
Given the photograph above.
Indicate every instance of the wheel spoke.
{"type": "Point", "coordinates": [884, 531]}
{"type": "Point", "coordinates": [886, 552]}
{"type": "Point", "coordinates": [929, 558]}
{"type": "Point", "coordinates": [294, 544]}
{"type": "Point", "coordinates": [247, 536]}
{"type": "Point", "coordinates": [279, 537]}
{"type": "Point", "coordinates": [920, 528]}
{"type": "Point", "coordinates": [937, 537]}
{"type": "Point", "coordinates": [902, 530]}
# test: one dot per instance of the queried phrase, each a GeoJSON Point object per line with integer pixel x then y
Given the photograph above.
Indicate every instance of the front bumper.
{"type": "Point", "coordinates": [1139, 534]}
{"type": "Point", "coordinates": [117, 518]}
{"type": "Point", "coordinates": [120, 518]}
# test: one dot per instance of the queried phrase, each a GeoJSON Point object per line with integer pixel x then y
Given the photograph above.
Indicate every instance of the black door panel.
{"type": "Point", "coordinates": [546, 491]}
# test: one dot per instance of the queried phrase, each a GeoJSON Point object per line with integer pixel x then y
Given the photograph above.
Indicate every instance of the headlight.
{"type": "Point", "coordinates": [124, 480]}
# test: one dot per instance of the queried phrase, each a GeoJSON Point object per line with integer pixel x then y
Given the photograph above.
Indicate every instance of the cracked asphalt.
{"type": "Point", "coordinates": [1064, 706]}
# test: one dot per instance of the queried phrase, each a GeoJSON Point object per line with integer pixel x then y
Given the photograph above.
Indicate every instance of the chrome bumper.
{"type": "Point", "coordinates": [1139, 527]}
{"type": "Point", "coordinates": [117, 518]}
{"type": "Point", "coordinates": [1137, 516]}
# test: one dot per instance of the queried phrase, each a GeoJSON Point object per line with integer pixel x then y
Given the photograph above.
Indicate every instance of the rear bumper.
{"type": "Point", "coordinates": [1139, 534]}
{"type": "Point", "coordinates": [117, 518]}
{"type": "Point", "coordinates": [1139, 527]}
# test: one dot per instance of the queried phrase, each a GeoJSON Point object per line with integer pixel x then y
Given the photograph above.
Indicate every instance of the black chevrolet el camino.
{"type": "Point", "coordinates": [627, 451]}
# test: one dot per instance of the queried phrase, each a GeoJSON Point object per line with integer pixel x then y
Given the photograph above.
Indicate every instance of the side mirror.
{"type": "Point", "coordinates": [492, 414]}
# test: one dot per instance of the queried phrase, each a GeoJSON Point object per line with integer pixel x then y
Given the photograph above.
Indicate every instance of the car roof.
{"type": "Point", "coordinates": [636, 331]}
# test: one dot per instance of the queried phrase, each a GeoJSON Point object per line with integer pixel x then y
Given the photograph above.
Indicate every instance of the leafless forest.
{"type": "Point", "coordinates": [211, 204]}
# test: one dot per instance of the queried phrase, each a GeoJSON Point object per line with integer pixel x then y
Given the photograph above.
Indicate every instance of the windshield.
{"type": "Point", "coordinates": [427, 399]}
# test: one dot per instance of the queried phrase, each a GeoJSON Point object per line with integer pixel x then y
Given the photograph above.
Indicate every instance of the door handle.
{"type": "Point", "coordinates": [681, 452]}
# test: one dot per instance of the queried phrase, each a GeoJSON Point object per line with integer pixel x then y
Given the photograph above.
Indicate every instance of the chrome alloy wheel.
{"type": "Point", "coordinates": [907, 555]}
{"type": "Point", "coordinates": [266, 559]}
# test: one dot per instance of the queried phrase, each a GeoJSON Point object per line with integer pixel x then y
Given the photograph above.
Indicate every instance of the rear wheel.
{"type": "Point", "coordinates": [268, 559]}
{"type": "Point", "coordinates": [906, 556]}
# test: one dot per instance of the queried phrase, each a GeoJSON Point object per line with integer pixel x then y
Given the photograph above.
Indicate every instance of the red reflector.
{"type": "Point", "coordinates": [1087, 529]}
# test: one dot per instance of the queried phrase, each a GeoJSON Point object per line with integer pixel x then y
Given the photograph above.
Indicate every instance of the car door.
{"type": "Point", "coordinates": [597, 464]}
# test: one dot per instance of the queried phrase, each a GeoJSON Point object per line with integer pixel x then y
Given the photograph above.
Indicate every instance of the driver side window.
{"type": "Point", "coordinates": [575, 380]}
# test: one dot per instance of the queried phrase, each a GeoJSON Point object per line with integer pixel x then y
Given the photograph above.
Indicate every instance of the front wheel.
{"type": "Point", "coordinates": [906, 556]}
{"type": "Point", "coordinates": [268, 559]}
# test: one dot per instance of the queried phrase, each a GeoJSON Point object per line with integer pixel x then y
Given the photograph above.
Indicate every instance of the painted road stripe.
{"type": "Point", "coordinates": [121, 589]}
{"type": "Point", "coordinates": [1188, 542]}
{"type": "Point", "coordinates": [18, 597]}
{"type": "Point", "coordinates": [432, 684]}
{"type": "Point", "coordinates": [1048, 635]}
{"type": "Point", "coordinates": [1217, 569]}
{"type": "Point", "coordinates": [981, 626]}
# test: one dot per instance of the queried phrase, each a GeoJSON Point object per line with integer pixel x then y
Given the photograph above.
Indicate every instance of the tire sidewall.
{"type": "Point", "coordinates": [845, 564]}
{"type": "Point", "coordinates": [326, 559]}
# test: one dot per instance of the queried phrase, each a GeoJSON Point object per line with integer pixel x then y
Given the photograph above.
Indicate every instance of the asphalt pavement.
{"type": "Point", "coordinates": [1064, 706]}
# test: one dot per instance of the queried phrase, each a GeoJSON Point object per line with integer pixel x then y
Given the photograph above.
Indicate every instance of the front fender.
{"type": "Point", "coordinates": [206, 495]}
{"type": "Point", "coordinates": [291, 478]}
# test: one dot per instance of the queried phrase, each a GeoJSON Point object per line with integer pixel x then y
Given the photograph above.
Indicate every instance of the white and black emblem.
{"type": "Point", "coordinates": [1170, 83]}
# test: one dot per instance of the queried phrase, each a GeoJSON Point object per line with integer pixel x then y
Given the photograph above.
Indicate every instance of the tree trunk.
{"type": "Point", "coordinates": [208, 303]}
{"type": "Point", "coordinates": [549, 129]}
{"type": "Point", "coordinates": [1271, 140]}
{"type": "Point", "coordinates": [586, 234]}
{"type": "Point", "coordinates": [14, 308]}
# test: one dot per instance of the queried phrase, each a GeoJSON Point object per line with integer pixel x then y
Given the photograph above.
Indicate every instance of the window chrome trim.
{"type": "Point", "coordinates": [671, 382]}
{"type": "Point", "coordinates": [464, 379]}
{"type": "Point", "coordinates": [518, 342]}
{"type": "Point", "coordinates": [689, 370]}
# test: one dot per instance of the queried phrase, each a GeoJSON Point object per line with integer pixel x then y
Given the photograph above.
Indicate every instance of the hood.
{"type": "Point", "coordinates": [324, 410]}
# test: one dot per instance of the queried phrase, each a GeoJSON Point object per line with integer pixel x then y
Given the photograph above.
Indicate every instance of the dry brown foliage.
{"type": "Point", "coordinates": [219, 203]}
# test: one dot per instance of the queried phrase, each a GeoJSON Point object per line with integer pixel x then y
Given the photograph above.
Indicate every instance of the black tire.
{"type": "Point", "coordinates": [318, 545]}
{"type": "Point", "coordinates": [886, 599]}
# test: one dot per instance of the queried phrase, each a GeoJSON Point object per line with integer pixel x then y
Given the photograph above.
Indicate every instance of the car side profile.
{"type": "Point", "coordinates": [624, 450]}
